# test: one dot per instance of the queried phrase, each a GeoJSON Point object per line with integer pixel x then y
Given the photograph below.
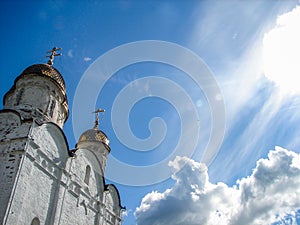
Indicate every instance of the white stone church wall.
{"type": "Point", "coordinates": [13, 139]}
{"type": "Point", "coordinates": [33, 196]}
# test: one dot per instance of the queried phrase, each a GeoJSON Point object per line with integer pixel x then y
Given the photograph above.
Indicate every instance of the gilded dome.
{"type": "Point", "coordinates": [48, 71]}
{"type": "Point", "coordinates": [94, 135]}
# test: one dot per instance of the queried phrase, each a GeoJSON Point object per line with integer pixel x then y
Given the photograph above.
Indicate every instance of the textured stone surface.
{"type": "Point", "coordinates": [51, 186]}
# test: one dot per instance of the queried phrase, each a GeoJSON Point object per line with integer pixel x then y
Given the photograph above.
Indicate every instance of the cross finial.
{"type": "Point", "coordinates": [97, 112]}
{"type": "Point", "coordinates": [53, 54]}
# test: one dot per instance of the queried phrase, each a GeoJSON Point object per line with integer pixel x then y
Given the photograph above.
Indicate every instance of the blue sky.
{"type": "Point", "coordinates": [248, 48]}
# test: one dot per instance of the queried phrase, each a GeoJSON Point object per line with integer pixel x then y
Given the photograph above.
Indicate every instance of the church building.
{"type": "Point", "coordinates": [43, 181]}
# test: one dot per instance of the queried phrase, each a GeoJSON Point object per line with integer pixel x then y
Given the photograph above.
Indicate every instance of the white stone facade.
{"type": "Point", "coordinates": [42, 181]}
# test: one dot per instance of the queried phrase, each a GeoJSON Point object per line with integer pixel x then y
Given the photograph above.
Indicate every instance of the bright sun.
{"type": "Point", "coordinates": [281, 52]}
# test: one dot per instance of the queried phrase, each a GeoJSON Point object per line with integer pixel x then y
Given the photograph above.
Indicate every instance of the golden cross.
{"type": "Point", "coordinates": [97, 112]}
{"type": "Point", "coordinates": [53, 54]}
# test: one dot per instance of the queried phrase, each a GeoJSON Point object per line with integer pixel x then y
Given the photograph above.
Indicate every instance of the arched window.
{"type": "Point", "coordinates": [51, 108]}
{"type": "Point", "coordinates": [35, 221]}
{"type": "Point", "coordinates": [87, 174]}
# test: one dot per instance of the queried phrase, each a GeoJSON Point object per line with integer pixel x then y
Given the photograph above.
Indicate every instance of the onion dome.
{"type": "Point", "coordinates": [48, 71]}
{"type": "Point", "coordinates": [94, 135]}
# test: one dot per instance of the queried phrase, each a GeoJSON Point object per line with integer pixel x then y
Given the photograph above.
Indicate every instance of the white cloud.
{"type": "Point", "coordinates": [267, 195]}
{"type": "Point", "coordinates": [281, 52]}
{"type": "Point", "coordinates": [86, 59]}
{"type": "Point", "coordinates": [125, 213]}
{"type": "Point", "coordinates": [70, 53]}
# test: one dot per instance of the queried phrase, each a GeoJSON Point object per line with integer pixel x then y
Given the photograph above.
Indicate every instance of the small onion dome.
{"type": "Point", "coordinates": [94, 135]}
{"type": "Point", "coordinates": [47, 71]}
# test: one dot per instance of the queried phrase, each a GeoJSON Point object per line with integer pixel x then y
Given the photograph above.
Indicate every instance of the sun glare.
{"type": "Point", "coordinates": [281, 52]}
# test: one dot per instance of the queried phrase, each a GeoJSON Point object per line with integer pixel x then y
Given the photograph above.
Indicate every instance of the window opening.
{"type": "Point", "coordinates": [51, 108]}
{"type": "Point", "coordinates": [87, 174]}
{"type": "Point", "coordinates": [35, 221]}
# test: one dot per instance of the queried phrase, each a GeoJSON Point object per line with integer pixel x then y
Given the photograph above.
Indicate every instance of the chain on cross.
{"type": "Point", "coordinates": [53, 54]}
{"type": "Point", "coordinates": [97, 112]}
